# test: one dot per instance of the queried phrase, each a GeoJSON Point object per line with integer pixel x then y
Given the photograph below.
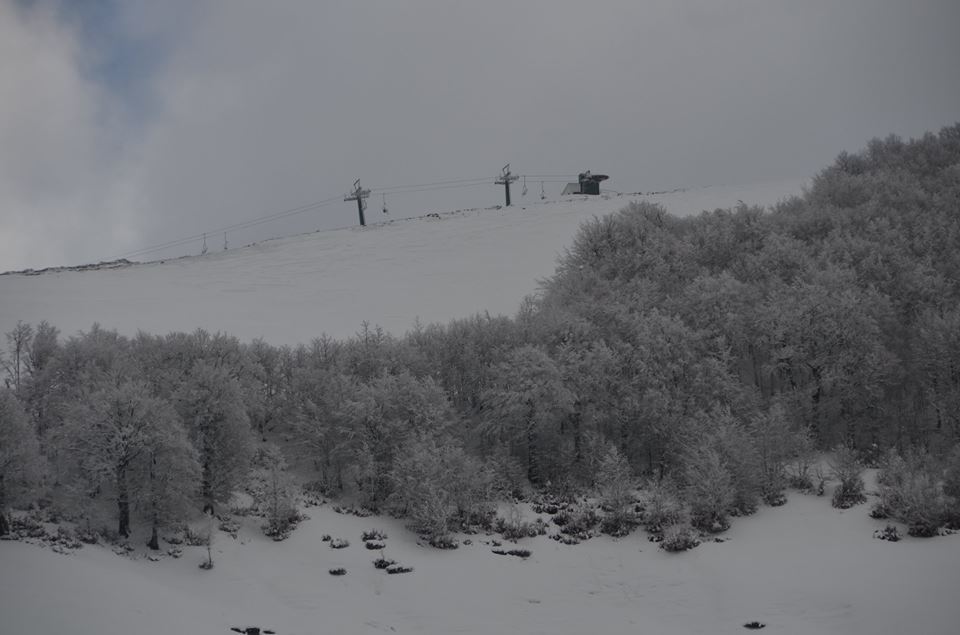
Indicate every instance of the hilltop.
{"type": "Point", "coordinates": [289, 290]}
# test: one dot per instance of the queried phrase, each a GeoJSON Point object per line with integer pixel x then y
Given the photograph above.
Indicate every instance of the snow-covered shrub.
{"type": "Point", "coordinates": [889, 533]}
{"type": "Point", "coordinates": [513, 529]}
{"type": "Point", "coordinates": [374, 546]}
{"type": "Point", "coordinates": [679, 537]}
{"type": "Point", "coordinates": [776, 443]}
{"type": "Point", "coordinates": [802, 461]}
{"type": "Point", "coordinates": [615, 483]}
{"type": "Point", "coordinates": [383, 563]}
{"type": "Point", "coordinates": [910, 492]}
{"type": "Point", "coordinates": [374, 535]}
{"type": "Point", "coordinates": [445, 541]}
{"type": "Point", "coordinates": [338, 571]}
{"type": "Point", "coordinates": [274, 493]}
{"type": "Point", "coordinates": [662, 507]}
{"type": "Point", "coordinates": [708, 489]}
{"type": "Point", "coordinates": [339, 543]}
{"type": "Point", "coordinates": [848, 471]}
{"type": "Point", "coordinates": [617, 526]}
{"type": "Point", "coordinates": [738, 453]}
{"type": "Point", "coordinates": [436, 483]}
{"type": "Point", "coordinates": [578, 522]}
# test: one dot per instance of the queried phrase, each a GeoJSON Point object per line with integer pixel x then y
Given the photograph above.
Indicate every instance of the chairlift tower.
{"type": "Point", "coordinates": [506, 179]}
{"type": "Point", "coordinates": [358, 194]}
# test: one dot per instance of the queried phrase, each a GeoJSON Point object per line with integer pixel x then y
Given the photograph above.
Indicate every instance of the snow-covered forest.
{"type": "Point", "coordinates": [682, 371]}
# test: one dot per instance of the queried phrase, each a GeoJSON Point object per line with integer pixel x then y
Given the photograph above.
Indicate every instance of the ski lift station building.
{"type": "Point", "coordinates": [587, 183]}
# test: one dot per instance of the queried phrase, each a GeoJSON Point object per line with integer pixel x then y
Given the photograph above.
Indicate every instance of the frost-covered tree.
{"type": "Point", "coordinates": [166, 480]}
{"type": "Point", "coordinates": [708, 488]}
{"type": "Point", "coordinates": [615, 483]}
{"type": "Point", "coordinates": [18, 349]}
{"type": "Point", "coordinates": [435, 482]}
{"type": "Point", "coordinates": [210, 405]}
{"type": "Point", "coordinates": [776, 445]}
{"type": "Point", "coordinates": [124, 443]}
{"type": "Point", "coordinates": [375, 421]}
{"type": "Point", "coordinates": [526, 405]}
{"type": "Point", "coordinates": [274, 492]}
{"type": "Point", "coordinates": [19, 453]}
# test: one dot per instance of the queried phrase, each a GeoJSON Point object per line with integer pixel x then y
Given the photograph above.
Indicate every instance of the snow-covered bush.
{"type": "Point", "coordinates": [577, 522]}
{"type": "Point", "coordinates": [848, 471]}
{"type": "Point", "coordinates": [662, 507]}
{"type": "Point", "coordinates": [436, 483]}
{"type": "Point", "coordinates": [614, 480]}
{"type": "Point", "coordinates": [383, 563]}
{"type": "Point", "coordinates": [708, 489]}
{"type": "Point", "coordinates": [679, 537]}
{"type": "Point", "coordinates": [274, 493]}
{"type": "Point", "coordinates": [910, 492]}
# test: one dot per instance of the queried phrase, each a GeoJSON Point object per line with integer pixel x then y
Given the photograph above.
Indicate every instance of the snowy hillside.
{"type": "Point", "coordinates": [801, 569]}
{"type": "Point", "coordinates": [290, 290]}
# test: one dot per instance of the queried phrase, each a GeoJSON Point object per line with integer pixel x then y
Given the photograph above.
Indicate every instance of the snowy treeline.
{"type": "Point", "coordinates": [707, 354]}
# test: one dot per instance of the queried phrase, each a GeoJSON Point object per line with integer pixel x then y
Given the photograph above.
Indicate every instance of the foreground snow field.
{"type": "Point", "coordinates": [800, 569]}
{"type": "Point", "coordinates": [291, 290]}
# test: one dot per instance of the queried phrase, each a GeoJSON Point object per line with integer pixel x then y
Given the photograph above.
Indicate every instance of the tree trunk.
{"type": "Point", "coordinates": [154, 542]}
{"type": "Point", "coordinates": [817, 428]}
{"type": "Point", "coordinates": [575, 423]}
{"type": "Point", "coordinates": [533, 462]}
{"type": "Point", "coordinates": [4, 527]}
{"type": "Point", "coordinates": [123, 504]}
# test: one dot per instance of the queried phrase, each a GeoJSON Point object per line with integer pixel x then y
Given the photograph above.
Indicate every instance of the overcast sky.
{"type": "Point", "coordinates": [128, 123]}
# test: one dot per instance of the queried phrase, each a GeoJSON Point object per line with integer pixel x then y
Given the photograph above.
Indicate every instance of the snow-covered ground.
{"type": "Point", "coordinates": [291, 290]}
{"type": "Point", "coordinates": [801, 569]}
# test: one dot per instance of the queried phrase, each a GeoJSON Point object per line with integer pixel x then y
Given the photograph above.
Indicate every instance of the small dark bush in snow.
{"type": "Point", "coordinates": [374, 535]}
{"type": "Point", "coordinates": [339, 571]}
{"type": "Point", "coordinates": [325, 538]}
{"type": "Point", "coordinates": [547, 508]}
{"type": "Point", "coordinates": [887, 533]}
{"type": "Point", "coordinates": [394, 569]}
{"type": "Point", "coordinates": [879, 511]}
{"type": "Point", "coordinates": [514, 531]}
{"type": "Point", "coordinates": [775, 498]}
{"type": "Point", "coordinates": [617, 526]}
{"type": "Point", "coordinates": [339, 543]}
{"type": "Point", "coordinates": [754, 625]}
{"type": "Point", "coordinates": [580, 523]}
{"type": "Point", "coordinates": [383, 563]}
{"type": "Point", "coordinates": [520, 553]}
{"type": "Point", "coordinates": [444, 542]}
{"type": "Point", "coordinates": [910, 491]}
{"type": "Point", "coordinates": [847, 469]}
{"type": "Point", "coordinates": [374, 546]}
{"type": "Point", "coordinates": [679, 538]}
{"type": "Point", "coordinates": [565, 539]}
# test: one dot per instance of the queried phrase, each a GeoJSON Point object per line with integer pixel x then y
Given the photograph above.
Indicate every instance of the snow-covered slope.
{"type": "Point", "coordinates": [801, 569]}
{"type": "Point", "coordinates": [291, 290]}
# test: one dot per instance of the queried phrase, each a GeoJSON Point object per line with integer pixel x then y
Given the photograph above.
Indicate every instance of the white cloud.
{"type": "Point", "coordinates": [57, 149]}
